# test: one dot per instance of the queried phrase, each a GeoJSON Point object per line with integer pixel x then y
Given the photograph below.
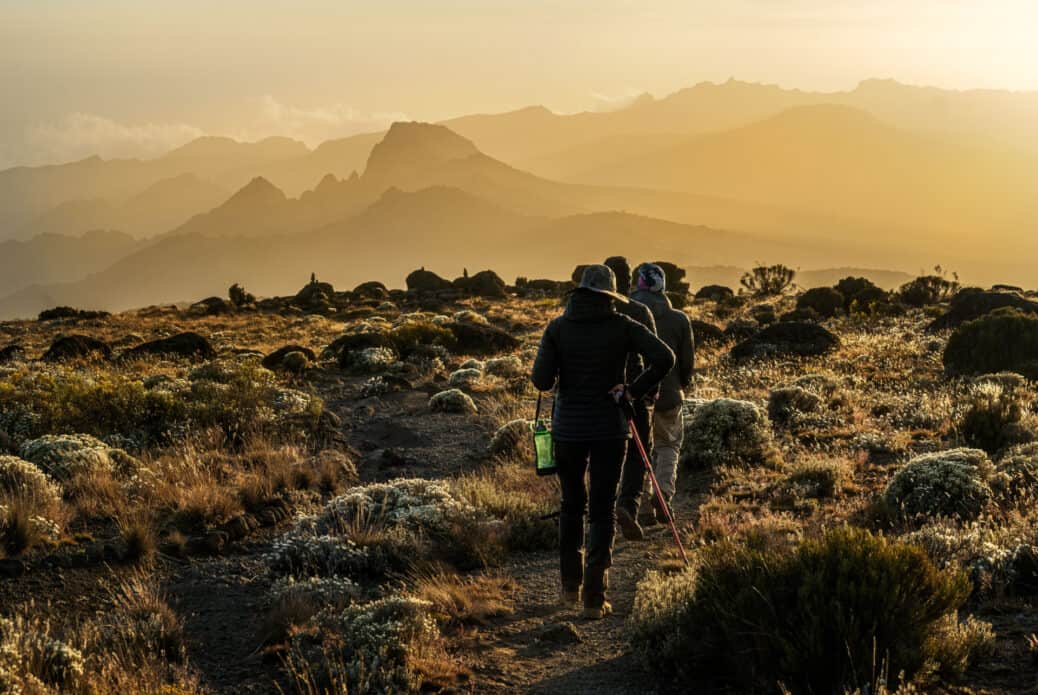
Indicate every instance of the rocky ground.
{"type": "Point", "coordinates": [222, 526]}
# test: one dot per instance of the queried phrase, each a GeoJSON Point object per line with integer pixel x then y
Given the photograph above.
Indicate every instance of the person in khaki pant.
{"type": "Point", "coordinates": [674, 329]}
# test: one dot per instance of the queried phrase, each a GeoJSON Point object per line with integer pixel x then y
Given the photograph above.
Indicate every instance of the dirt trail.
{"type": "Point", "coordinates": [535, 651]}
{"type": "Point", "coordinates": [221, 601]}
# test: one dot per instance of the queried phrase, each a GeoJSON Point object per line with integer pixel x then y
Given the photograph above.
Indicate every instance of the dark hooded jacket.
{"type": "Point", "coordinates": [674, 329]}
{"type": "Point", "coordinates": [585, 350]}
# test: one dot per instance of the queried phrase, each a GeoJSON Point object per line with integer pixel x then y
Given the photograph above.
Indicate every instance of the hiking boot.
{"type": "Point", "coordinates": [628, 524]}
{"type": "Point", "coordinates": [598, 612]}
{"type": "Point", "coordinates": [647, 519]}
{"type": "Point", "coordinates": [570, 599]}
{"type": "Point", "coordinates": [657, 509]}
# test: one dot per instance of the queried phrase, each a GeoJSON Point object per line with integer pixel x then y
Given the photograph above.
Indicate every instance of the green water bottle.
{"type": "Point", "coordinates": [545, 448]}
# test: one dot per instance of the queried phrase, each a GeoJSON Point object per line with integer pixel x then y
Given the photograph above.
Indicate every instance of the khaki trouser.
{"type": "Point", "coordinates": [668, 432]}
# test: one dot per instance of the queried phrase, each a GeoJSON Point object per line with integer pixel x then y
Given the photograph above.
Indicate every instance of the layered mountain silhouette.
{"type": "Point", "coordinates": [54, 258]}
{"type": "Point", "coordinates": [158, 208]}
{"type": "Point", "coordinates": [716, 175]}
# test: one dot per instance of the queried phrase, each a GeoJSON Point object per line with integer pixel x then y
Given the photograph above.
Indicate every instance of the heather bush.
{"type": "Point", "coordinates": [990, 418]}
{"type": "Point", "coordinates": [927, 290]}
{"type": "Point", "coordinates": [728, 432]}
{"type": "Point", "coordinates": [1004, 340]}
{"type": "Point", "coordinates": [452, 401]}
{"type": "Point", "coordinates": [765, 281]}
{"type": "Point", "coordinates": [952, 483]}
{"type": "Point", "coordinates": [825, 301]}
{"type": "Point", "coordinates": [464, 378]}
{"type": "Point", "coordinates": [390, 642]}
{"type": "Point", "coordinates": [20, 478]}
{"type": "Point", "coordinates": [813, 620]}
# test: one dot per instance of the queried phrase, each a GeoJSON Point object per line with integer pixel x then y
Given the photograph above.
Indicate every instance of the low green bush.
{"type": "Point", "coordinates": [821, 619]}
{"type": "Point", "coordinates": [1004, 340]}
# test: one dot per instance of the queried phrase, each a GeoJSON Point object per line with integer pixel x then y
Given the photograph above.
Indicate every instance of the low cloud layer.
{"type": "Point", "coordinates": [81, 135]}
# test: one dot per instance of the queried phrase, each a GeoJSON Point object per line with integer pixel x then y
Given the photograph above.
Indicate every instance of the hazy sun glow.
{"type": "Point", "coordinates": [124, 77]}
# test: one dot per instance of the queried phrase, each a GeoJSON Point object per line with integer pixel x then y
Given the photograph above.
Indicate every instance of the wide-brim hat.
{"type": "Point", "coordinates": [601, 280]}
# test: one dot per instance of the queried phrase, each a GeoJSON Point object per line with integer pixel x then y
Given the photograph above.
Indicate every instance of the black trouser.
{"type": "Point", "coordinates": [633, 479]}
{"type": "Point", "coordinates": [604, 459]}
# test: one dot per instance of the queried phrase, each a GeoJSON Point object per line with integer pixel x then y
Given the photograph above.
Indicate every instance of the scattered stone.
{"type": "Point", "coordinates": [559, 634]}
{"type": "Point", "coordinates": [71, 347]}
{"type": "Point", "coordinates": [423, 280]}
{"type": "Point", "coordinates": [67, 312]}
{"type": "Point", "coordinates": [371, 290]}
{"type": "Point", "coordinates": [802, 339]}
{"type": "Point", "coordinates": [715, 293]}
{"type": "Point", "coordinates": [485, 283]}
{"type": "Point", "coordinates": [741, 329]}
{"type": "Point", "coordinates": [452, 401]}
{"type": "Point", "coordinates": [478, 339]}
{"type": "Point", "coordinates": [277, 359]}
{"type": "Point", "coordinates": [186, 345]}
{"type": "Point", "coordinates": [210, 306]}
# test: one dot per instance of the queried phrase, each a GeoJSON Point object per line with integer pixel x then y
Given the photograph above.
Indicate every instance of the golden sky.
{"type": "Point", "coordinates": [134, 77]}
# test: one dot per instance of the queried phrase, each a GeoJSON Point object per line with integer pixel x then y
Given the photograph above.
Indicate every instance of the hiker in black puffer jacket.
{"type": "Point", "coordinates": [584, 352]}
{"type": "Point", "coordinates": [633, 475]}
{"type": "Point", "coordinates": [673, 328]}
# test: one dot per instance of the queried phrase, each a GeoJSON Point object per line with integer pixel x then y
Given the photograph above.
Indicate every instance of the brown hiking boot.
{"type": "Point", "coordinates": [598, 612]}
{"type": "Point", "coordinates": [661, 514]}
{"type": "Point", "coordinates": [647, 519]}
{"type": "Point", "coordinates": [629, 525]}
{"type": "Point", "coordinates": [570, 599]}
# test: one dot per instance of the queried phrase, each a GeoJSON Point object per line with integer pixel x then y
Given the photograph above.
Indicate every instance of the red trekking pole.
{"type": "Point", "coordinates": [656, 488]}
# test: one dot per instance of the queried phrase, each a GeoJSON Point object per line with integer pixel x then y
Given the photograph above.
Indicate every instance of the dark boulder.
{"type": "Point", "coordinates": [824, 301]}
{"type": "Point", "coordinates": [706, 333]}
{"type": "Point", "coordinates": [67, 312]}
{"type": "Point", "coordinates": [972, 303]}
{"type": "Point", "coordinates": [423, 280]}
{"type": "Point", "coordinates": [802, 339]}
{"type": "Point", "coordinates": [371, 290]}
{"type": "Point", "coordinates": [485, 283]}
{"type": "Point", "coordinates": [11, 352]}
{"type": "Point", "coordinates": [543, 286]}
{"type": "Point", "coordinates": [801, 314]}
{"type": "Point", "coordinates": [315, 296]}
{"type": "Point", "coordinates": [186, 345]}
{"type": "Point", "coordinates": [70, 347]}
{"type": "Point", "coordinates": [715, 293]}
{"type": "Point", "coordinates": [276, 359]}
{"type": "Point", "coordinates": [481, 339]}
{"type": "Point", "coordinates": [210, 306]}
{"type": "Point", "coordinates": [351, 342]}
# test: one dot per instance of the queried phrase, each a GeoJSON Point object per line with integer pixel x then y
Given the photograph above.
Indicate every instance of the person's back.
{"type": "Point", "coordinates": [593, 342]}
{"type": "Point", "coordinates": [674, 329]}
{"type": "Point", "coordinates": [583, 353]}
